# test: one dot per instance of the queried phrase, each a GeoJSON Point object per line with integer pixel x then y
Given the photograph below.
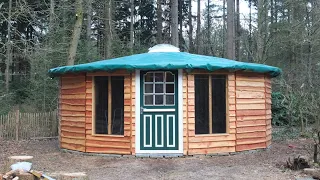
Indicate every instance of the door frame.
{"type": "Point", "coordinates": [180, 118]}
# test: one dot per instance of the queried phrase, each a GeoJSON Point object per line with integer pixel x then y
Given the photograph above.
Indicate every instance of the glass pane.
{"type": "Point", "coordinates": [159, 88]}
{"type": "Point", "coordinates": [148, 77]}
{"type": "Point", "coordinates": [148, 88]}
{"type": "Point", "coordinates": [148, 99]}
{"type": "Point", "coordinates": [169, 88]}
{"type": "Point", "coordinates": [169, 99]}
{"type": "Point", "coordinates": [218, 104]}
{"type": "Point", "coordinates": [158, 77]}
{"type": "Point", "coordinates": [169, 77]}
{"type": "Point", "coordinates": [159, 99]}
{"type": "Point", "coordinates": [201, 87]}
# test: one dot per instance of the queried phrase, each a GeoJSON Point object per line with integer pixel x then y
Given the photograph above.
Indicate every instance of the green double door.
{"type": "Point", "coordinates": [158, 112]}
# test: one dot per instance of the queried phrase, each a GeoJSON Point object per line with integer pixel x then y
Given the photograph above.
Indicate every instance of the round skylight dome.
{"type": "Point", "coordinates": [164, 48]}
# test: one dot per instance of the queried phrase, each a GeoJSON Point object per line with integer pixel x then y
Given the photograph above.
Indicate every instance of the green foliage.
{"type": "Point", "coordinates": [285, 132]}
{"type": "Point", "coordinates": [279, 110]}
{"type": "Point", "coordinates": [297, 109]}
{"type": "Point", "coordinates": [290, 41]}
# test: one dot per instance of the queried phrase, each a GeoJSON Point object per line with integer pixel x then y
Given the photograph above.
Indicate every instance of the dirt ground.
{"type": "Point", "coordinates": [266, 164]}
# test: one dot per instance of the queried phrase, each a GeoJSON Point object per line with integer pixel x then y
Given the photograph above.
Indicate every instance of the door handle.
{"type": "Point", "coordinates": [141, 110]}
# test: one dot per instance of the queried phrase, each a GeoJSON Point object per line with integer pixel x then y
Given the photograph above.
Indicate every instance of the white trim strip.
{"type": "Point", "coordinates": [180, 110]}
{"type": "Point", "coordinates": [137, 113]}
{"type": "Point", "coordinates": [173, 131]}
{"type": "Point", "coordinates": [158, 110]}
{"type": "Point", "coordinates": [156, 130]}
{"type": "Point", "coordinates": [145, 132]}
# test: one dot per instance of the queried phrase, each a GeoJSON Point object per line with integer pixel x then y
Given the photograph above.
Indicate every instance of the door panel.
{"type": "Point", "coordinates": [159, 130]}
{"type": "Point", "coordinates": [159, 113]}
{"type": "Point", "coordinates": [147, 126]}
{"type": "Point", "coordinates": [171, 131]}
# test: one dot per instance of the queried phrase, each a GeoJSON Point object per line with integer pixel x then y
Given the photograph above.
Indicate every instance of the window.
{"type": "Point", "coordinates": [159, 89]}
{"type": "Point", "coordinates": [210, 104]}
{"type": "Point", "coordinates": [109, 105]}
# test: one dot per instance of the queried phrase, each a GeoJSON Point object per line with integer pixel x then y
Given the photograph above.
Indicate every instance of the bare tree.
{"type": "Point", "coordinates": [180, 19]}
{"type": "Point", "coordinates": [159, 21]}
{"type": "Point", "coordinates": [51, 17]}
{"type": "Point", "coordinates": [131, 26]}
{"type": "Point", "coordinates": [262, 24]}
{"type": "Point", "coordinates": [174, 23]}
{"type": "Point", "coordinates": [250, 32]}
{"type": "Point", "coordinates": [9, 53]}
{"type": "Point", "coordinates": [230, 30]}
{"type": "Point", "coordinates": [198, 28]}
{"type": "Point", "coordinates": [108, 29]}
{"type": "Point", "coordinates": [89, 19]}
{"type": "Point", "coordinates": [76, 33]}
{"type": "Point", "coordinates": [237, 42]}
{"type": "Point", "coordinates": [224, 29]}
{"type": "Point", "coordinates": [190, 27]}
{"type": "Point", "coordinates": [208, 28]}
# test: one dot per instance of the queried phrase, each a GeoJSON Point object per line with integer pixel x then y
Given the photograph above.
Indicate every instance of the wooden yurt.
{"type": "Point", "coordinates": [165, 103]}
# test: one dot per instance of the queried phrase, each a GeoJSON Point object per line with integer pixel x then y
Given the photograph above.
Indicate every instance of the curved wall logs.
{"type": "Point", "coordinates": [72, 111]}
{"type": "Point", "coordinates": [248, 116]}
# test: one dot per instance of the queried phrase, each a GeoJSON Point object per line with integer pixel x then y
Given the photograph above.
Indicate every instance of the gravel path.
{"type": "Point", "coordinates": [267, 164]}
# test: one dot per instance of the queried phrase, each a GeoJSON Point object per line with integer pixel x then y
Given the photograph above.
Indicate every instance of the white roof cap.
{"type": "Point", "coordinates": [164, 48]}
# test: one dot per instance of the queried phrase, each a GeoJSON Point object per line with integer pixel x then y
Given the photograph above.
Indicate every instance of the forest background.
{"type": "Point", "coordinates": [36, 35]}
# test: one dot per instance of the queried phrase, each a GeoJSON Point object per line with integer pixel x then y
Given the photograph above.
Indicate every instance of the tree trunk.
{"type": "Point", "coordinates": [250, 32]}
{"type": "Point", "coordinates": [76, 33]}
{"type": "Point", "coordinates": [271, 11]}
{"type": "Point", "coordinates": [174, 23]}
{"type": "Point", "coordinates": [108, 30]}
{"type": "Point", "coordinates": [309, 64]}
{"type": "Point", "coordinates": [190, 27]}
{"type": "Point", "coordinates": [313, 34]}
{"type": "Point", "coordinates": [237, 45]}
{"type": "Point", "coordinates": [208, 29]}
{"type": "Point", "coordinates": [89, 32]}
{"type": "Point", "coordinates": [230, 30]}
{"type": "Point", "coordinates": [224, 29]}
{"type": "Point", "coordinates": [131, 26]}
{"type": "Point", "coordinates": [275, 11]}
{"type": "Point", "coordinates": [180, 18]}
{"type": "Point", "coordinates": [198, 28]}
{"type": "Point", "coordinates": [9, 53]}
{"type": "Point", "coordinates": [159, 21]}
{"type": "Point", "coordinates": [51, 17]}
{"type": "Point", "coordinates": [261, 28]}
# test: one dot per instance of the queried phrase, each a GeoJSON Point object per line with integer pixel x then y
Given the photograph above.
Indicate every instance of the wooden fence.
{"type": "Point", "coordinates": [21, 126]}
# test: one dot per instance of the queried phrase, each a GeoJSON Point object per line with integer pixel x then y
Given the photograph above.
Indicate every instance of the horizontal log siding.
{"type": "Point", "coordinates": [185, 112]}
{"type": "Point", "coordinates": [72, 112]}
{"type": "Point", "coordinates": [211, 143]}
{"type": "Point", "coordinates": [268, 109]}
{"type": "Point", "coordinates": [109, 144]}
{"type": "Point", "coordinates": [133, 115]}
{"type": "Point", "coordinates": [251, 111]}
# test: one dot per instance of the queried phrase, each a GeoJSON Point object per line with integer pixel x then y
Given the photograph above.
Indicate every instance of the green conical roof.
{"type": "Point", "coordinates": [166, 61]}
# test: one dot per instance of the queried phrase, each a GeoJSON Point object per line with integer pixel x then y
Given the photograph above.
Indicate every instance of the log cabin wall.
{"type": "Point", "coordinates": [72, 111]}
{"type": "Point", "coordinates": [133, 114]}
{"type": "Point", "coordinates": [208, 143]}
{"type": "Point", "coordinates": [185, 112]}
{"type": "Point", "coordinates": [268, 109]}
{"type": "Point", "coordinates": [109, 144]}
{"type": "Point", "coordinates": [253, 111]}
{"type": "Point", "coordinates": [248, 116]}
